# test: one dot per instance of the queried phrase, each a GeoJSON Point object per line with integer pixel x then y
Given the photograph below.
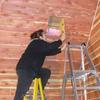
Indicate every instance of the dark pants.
{"type": "Point", "coordinates": [25, 79]}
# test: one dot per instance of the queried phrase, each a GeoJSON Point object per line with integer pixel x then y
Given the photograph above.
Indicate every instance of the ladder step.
{"type": "Point", "coordinates": [75, 46]}
{"type": "Point", "coordinates": [79, 73]}
{"type": "Point", "coordinates": [89, 88]}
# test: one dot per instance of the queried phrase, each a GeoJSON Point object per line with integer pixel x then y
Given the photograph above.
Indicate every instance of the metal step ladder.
{"type": "Point", "coordinates": [81, 74]}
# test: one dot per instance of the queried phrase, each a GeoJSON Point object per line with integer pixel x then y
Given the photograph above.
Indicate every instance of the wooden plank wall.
{"type": "Point", "coordinates": [94, 49]}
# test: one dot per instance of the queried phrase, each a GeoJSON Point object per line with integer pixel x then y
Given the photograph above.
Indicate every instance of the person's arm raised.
{"type": "Point", "coordinates": [63, 47]}
{"type": "Point", "coordinates": [63, 37]}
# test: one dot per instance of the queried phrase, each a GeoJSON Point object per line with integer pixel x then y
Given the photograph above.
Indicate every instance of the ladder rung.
{"type": "Point", "coordinates": [75, 46]}
{"type": "Point", "coordinates": [73, 94]}
{"type": "Point", "coordinates": [89, 88]}
{"type": "Point", "coordinates": [86, 87]}
{"type": "Point", "coordinates": [80, 73]}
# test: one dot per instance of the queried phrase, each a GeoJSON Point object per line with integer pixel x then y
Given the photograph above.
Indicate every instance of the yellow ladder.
{"type": "Point", "coordinates": [37, 85]}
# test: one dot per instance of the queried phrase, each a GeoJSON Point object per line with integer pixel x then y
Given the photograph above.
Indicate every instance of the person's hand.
{"type": "Point", "coordinates": [63, 47]}
{"type": "Point", "coordinates": [63, 37]}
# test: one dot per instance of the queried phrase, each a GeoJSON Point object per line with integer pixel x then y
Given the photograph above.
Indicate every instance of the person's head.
{"type": "Point", "coordinates": [37, 34]}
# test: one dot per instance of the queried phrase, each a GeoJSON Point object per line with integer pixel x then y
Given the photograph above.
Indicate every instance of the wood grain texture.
{"type": "Point", "coordinates": [94, 50]}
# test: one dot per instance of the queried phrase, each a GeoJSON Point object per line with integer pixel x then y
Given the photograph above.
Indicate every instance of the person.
{"type": "Point", "coordinates": [31, 61]}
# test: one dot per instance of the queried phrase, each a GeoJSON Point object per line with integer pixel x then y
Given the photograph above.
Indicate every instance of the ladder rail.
{"type": "Point", "coordinates": [91, 64]}
{"type": "Point", "coordinates": [83, 69]}
{"type": "Point", "coordinates": [73, 81]}
{"type": "Point", "coordinates": [64, 86]}
{"type": "Point", "coordinates": [64, 77]}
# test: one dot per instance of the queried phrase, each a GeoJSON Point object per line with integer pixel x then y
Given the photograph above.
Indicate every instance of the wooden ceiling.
{"type": "Point", "coordinates": [25, 16]}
